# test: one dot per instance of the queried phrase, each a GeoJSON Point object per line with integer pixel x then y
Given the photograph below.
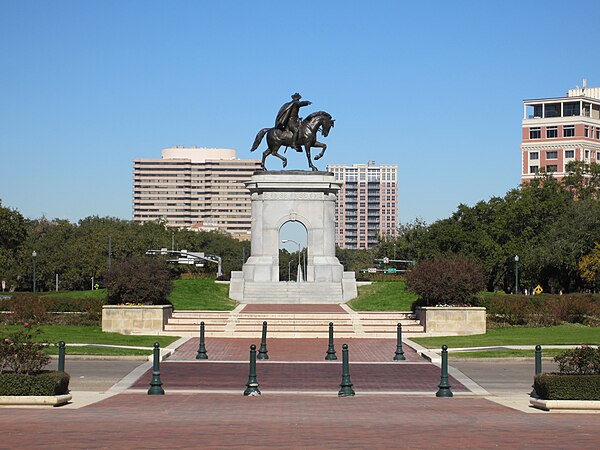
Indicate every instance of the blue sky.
{"type": "Point", "coordinates": [436, 87]}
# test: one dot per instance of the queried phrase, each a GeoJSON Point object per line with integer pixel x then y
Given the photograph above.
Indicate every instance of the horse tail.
{"type": "Point", "coordinates": [259, 137]}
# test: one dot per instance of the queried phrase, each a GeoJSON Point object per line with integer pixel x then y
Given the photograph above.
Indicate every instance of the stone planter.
{"type": "Point", "coordinates": [565, 405]}
{"type": "Point", "coordinates": [452, 320]}
{"type": "Point", "coordinates": [34, 400]}
{"type": "Point", "coordinates": [125, 319]}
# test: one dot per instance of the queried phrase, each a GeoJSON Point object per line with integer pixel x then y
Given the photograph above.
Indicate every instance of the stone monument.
{"type": "Point", "coordinates": [283, 196]}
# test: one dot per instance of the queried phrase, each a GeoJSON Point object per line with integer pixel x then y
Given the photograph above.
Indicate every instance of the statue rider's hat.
{"type": "Point", "coordinates": [296, 96]}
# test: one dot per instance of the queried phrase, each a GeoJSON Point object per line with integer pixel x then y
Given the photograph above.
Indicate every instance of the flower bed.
{"type": "Point", "coordinates": [577, 386]}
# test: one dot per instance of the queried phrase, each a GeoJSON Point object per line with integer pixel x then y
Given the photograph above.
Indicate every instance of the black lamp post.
{"type": "Point", "coordinates": [516, 274]}
{"type": "Point", "coordinates": [33, 256]}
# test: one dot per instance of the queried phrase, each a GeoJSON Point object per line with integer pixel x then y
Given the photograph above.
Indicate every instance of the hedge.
{"type": "Point", "coordinates": [556, 386]}
{"type": "Point", "coordinates": [43, 383]}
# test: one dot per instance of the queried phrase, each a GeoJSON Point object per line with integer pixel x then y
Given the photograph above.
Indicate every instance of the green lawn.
{"type": "Point", "coordinates": [557, 335]}
{"type": "Point", "coordinates": [551, 352]}
{"type": "Point", "coordinates": [99, 351]}
{"type": "Point", "coordinates": [91, 335]}
{"type": "Point", "coordinates": [383, 296]}
{"type": "Point", "coordinates": [201, 294]}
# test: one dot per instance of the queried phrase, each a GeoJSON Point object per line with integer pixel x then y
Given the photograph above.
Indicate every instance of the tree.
{"type": "Point", "coordinates": [446, 280]}
{"type": "Point", "coordinates": [139, 279]}
{"type": "Point", "coordinates": [589, 267]}
{"type": "Point", "coordinates": [13, 233]}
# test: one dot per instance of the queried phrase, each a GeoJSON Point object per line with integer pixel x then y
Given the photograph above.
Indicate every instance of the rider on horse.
{"type": "Point", "coordinates": [287, 118]}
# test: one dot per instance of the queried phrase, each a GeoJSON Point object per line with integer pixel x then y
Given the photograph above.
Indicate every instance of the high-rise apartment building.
{"type": "Point", "coordinates": [367, 203]}
{"type": "Point", "coordinates": [559, 130]}
{"type": "Point", "coordinates": [197, 188]}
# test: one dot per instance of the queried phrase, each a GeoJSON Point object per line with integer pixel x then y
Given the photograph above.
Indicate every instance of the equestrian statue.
{"type": "Point", "coordinates": [290, 130]}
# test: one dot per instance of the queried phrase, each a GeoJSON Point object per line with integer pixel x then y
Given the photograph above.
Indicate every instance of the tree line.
{"type": "Point", "coordinates": [553, 226]}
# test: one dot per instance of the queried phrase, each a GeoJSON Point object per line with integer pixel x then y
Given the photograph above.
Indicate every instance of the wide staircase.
{"type": "Point", "coordinates": [271, 293]}
{"type": "Point", "coordinates": [281, 324]}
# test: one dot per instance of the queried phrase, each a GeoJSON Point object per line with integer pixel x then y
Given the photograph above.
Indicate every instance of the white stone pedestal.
{"type": "Point", "coordinates": [279, 197]}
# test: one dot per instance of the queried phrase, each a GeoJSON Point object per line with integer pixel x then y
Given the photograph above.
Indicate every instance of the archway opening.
{"type": "Point", "coordinates": [293, 251]}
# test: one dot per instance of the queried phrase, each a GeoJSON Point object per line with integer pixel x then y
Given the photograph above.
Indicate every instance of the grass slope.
{"type": "Point", "coordinates": [201, 294]}
{"type": "Point", "coordinates": [383, 296]}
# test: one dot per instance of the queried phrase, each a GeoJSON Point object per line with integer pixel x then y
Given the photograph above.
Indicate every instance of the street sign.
{"type": "Point", "coordinates": [392, 270]}
{"type": "Point", "coordinates": [538, 290]}
{"type": "Point", "coordinates": [372, 269]}
{"type": "Point", "coordinates": [3, 285]}
{"type": "Point", "coordinates": [386, 260]}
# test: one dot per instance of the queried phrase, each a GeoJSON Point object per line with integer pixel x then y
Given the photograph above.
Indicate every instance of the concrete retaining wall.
{"type": "Point", "coordinates": [135, 319]}
{"type": "Point", "coordinates": [456, 320]}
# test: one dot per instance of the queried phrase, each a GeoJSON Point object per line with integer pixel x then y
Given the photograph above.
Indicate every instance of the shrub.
{"type": "Point", "coordinates": [52, 311]}
{"type": "Point", "coordinates": [139, 279]}
{"type": "Point", "coordinates": [542, 310]}
{"type": "Point", "coordinates": [43, 383]}
{"type": "Point", "coordinates": [580, 360]}
{"type": "Point", "coordinates": [448, 281]}
{"type": "Point", "coordinates": [20, 354]}
{"type": "Point", "coordinates": [554, 386]}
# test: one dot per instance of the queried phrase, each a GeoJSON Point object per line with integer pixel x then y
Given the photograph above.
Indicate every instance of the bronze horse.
{"type": "Point", "coordinates": [307, 137]}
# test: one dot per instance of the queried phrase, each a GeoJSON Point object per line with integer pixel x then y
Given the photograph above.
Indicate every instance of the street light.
{"type": "Point", "coordinates": [516, 274]}
{"type": "Point", "coordinates": [299, 275]}
{"type": "Point", "coordinates": [33, 255]}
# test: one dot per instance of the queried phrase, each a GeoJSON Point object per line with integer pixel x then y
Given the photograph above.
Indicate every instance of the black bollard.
{"type": "Point", "coordinates": [399, 356]}
{"type": "Point", "coordinates": [444, 386]}
{"type": "Point", "coordinates": [201, 347]}
{"type": "Point", "coordinates": [538, 368]}
{"type": "Point", "coordinates": [330, 356]}
{"type": "Point", "coordinates": [346, 385]}
{"type": "Point", "coordinates": [61, 356]}
{"type": "Point", "coordinates": [252, 385]}
{"type": "Point", "coordinates": [155, 383]}
{"type": "Point", "coordinates": [262, 351]}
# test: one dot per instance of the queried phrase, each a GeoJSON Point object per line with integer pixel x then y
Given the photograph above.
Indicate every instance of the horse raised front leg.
{"type": "Point", "coordinates": [321, 145]}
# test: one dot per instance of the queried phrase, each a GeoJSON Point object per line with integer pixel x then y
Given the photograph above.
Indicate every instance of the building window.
{"type": "Point", "coordinates": [597, 156]}
{"type": "Point", "coordinates": [551, 155]}
{"type": "Point", "coordinates": [551, 168]}
{"type": "Point", "coordinates": [569, 131]}
{"type": "Point", "coordinates": [586, 131]}
{"type": "Point", "coordinates": [597, 132]}
{"type": "Point", "coordinates": [587, 154]}
{"type": "Point", "coordinates": [534, 155]}
{"type": "Point", "coordinates": [534, 169]}
{"type": "Point", "coordinates": [571, 109]}
{"type": "Point", "coordinates": [551, 132]}
{"type": "Point", "coordinates": [569, 153]}
{"type": "Point", "coordinates": [535, 133]}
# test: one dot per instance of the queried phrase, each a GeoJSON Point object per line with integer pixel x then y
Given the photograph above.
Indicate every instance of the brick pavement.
{"type": "Point", "coordinates": [396, 377]}
{"type": "Point", "coordinates": [212, 421]}
{"type": "Point", "coordinates": [299, 349]}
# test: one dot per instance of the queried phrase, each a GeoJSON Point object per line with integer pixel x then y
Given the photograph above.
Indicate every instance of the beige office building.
{"type": "Point", "coordinates": [195, 188]}
{"type": "Point", "coordinates": [367, 203]}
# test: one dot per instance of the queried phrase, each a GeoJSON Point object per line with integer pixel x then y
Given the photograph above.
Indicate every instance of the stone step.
{"type": "Point", "coordinates": [290, 335]}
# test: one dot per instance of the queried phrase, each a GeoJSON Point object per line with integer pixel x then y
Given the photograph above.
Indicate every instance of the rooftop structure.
{"type": "Point", "coordinates": [556, 131]}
